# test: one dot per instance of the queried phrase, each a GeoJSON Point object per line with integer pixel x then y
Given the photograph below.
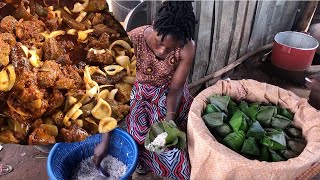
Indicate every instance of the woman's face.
{"type": "Point", "coordinates": [163, 48]}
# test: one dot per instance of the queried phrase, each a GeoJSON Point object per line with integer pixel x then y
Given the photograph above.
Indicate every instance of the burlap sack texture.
{"type": "Point", "coordinates": [212, 160]}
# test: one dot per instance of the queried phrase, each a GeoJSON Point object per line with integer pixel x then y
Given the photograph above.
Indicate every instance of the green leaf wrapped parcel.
{"type": "Point", "coordinates": [257, 131]}
{"type": "Point", "coordinates": [163, 135]}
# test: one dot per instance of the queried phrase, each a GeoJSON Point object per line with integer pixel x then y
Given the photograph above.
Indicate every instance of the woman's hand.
{"type": "Point", "coordinates": [314, 86]}
{"type": "Point", "coordinates": [100, 152]}
{"type": "Point", "coordinates": [315, 79]}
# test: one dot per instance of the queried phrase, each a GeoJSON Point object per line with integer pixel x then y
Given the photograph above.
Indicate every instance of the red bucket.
{"type": "Point", "coordinates": [293, 51]}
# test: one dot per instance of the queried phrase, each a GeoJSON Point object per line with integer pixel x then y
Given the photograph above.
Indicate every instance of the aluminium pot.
{"type": "Point", "coordinates": [293, 51]}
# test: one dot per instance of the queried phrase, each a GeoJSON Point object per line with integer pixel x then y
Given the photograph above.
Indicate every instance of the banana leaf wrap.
{"type": "Point", "coordinates": [174, 137]}
{"type": "Point", "coordinates": [284, 112]}
{"type": "Point", "coordinates": [223, 130]}
{"type": "Point", "coordinates": [280, 122]}
{"type": "Point", "coordinates": [293, 132]}
{"type": "Point", "coordinates": [256, 131]}
{"type": "Point", "coordinates": [264, 132]}
{"type": "Point", "coordinates": [214, 119]}
{"type": "Point", "coordinates": [220, 101]}
{"type": "Point", "coordinates": [274, 139]}
{"type": "Point", "coordinates": [210, 108]}
{"type": "Point", "coordinates": [234, 140]}
{"type": "Point", "coordinates": [239, 121]}
{"type": "Point", "coordinates": [250, 147]}
{"type": "Point", "coordinates": [265, 114]}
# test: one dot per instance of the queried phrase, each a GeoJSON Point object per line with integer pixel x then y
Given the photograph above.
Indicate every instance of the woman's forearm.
{"type": "Point", "coordinates": [106, 139]}
{"type": "Point", "coordinates": [174, 98]}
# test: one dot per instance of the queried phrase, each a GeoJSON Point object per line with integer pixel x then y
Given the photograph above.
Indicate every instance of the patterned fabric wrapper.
{"type": "Point", "coordinates": [148, 106]}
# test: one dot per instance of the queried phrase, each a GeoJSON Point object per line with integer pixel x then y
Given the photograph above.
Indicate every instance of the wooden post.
{"type": "Point", "coordinates": [307, 16]}
{"type": "Point", "coordinates": [152, 8]}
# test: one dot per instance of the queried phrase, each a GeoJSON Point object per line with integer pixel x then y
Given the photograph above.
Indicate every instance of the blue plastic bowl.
{"type": "Point", "coordinates": [65, 156]}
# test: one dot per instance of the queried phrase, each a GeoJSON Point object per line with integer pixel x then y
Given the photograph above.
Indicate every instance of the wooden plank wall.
{"type": "Point", "coordinates": [227, 30]}
{"type": "Point", "coordinates": [237, 28]}
{"type": "Point", "coordinates": [271, 17]}
{"type": "Point", "coordinates": [204, 9]}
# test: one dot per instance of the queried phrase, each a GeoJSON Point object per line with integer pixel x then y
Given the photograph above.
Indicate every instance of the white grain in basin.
{"type": "Point", "coordinates": [87, 170]}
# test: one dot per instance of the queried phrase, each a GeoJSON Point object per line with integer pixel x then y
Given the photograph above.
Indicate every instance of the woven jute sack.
{"type": "Point", "coordinates": [211, 160]}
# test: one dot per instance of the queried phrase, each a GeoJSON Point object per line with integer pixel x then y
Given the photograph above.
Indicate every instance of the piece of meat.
{"type": "Point", "coordinates": [87, 20]}
{"type": "Point", "coordinates": [86, 109]}
{"type": "Point", "coordinates": [100, 79]}
{"type": "Point", "coordinates": [15, 112]}
{"type": "Point", "coordinates": [40, 137]}
{"type": "Point", "coordinates": [29, 31]}
{"type": "Point", "coordinates": [68, 19]}
{"type": "Point", "coordinates": [8, 38]}
{"type": "Point", "coordinates": [96, 6]}
{"type": "Point", "coordinates": [24, 74]}
{"type": "Point", "coordinates": [119, 111]}
{"type": "Point", "coordinates": [37, 123]}
{"type": "Point", "coordinates": [18, 117]}
{"type": "Point", "coordinates": [56, 100]}
{"type": "Point", "coordinates": [64, 60]}
{"type": "Point", "coordinates": [48, 74]}
{"type": "Point", "coordinates": [41, 11]}
{"type": "Point", "coordinates": [7, 136]}
{"type": "Point", "coordinates": [58, 118]}
{"type": "Point", "coordinates": [52, 50]}
{"type": "Point", "coordinates": [98, 18]}
{"type": "Point", "coordinates": [76, 93]}
{"type": "Point", "coordinates": [105, 58]}
{"type": "Point", "coordinates": [29, 94]}
{"type": "Point", "coordinates": [19, 60]}
{"type": "Point", "coordinates": [52, 24]}
{"type": "Point", "coordinates": [21, 107]}
{"type": "Point", "coordinates": [69, 79]}
{"type": "Point", "coordinates": [4, 53]}
{"type": "Point", "coordinates": [7, 24]}
{"type": "Point", "coordinates": [24, 78]}
{"type": "Point", "coordinates": [68, 44]}
{"type": "Point", "coordinates": [3, 97]}
{"type": "Point", "coordinates": [65, 83]}
{"type": "Point", "coordinates": [3, 123]}
{"type": "Point", "coordinates": [74, 134]}
{"type": "Point", "coordinates": [27, 98]}
{"type": "Point", "coordinates": [101, 28]}
{"type": "Point", "coordinates": [101, 43]}
{"type": "Point", "coordinates": [90, 125]}
{"type": "Point", "coordinates": [21, 137]}
{"type": "Point", "coordinates": [124, 91]}
{"type": "Point", "coordinates": [56, 50]}
{"type": "Point", "coordinates": [21, 11]}
{"type": "Point", "coordinates": [2, 4]}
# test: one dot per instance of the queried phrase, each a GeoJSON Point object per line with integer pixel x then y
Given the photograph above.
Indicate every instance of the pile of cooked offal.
{"type": "Point", "coordinates": [66, 70]}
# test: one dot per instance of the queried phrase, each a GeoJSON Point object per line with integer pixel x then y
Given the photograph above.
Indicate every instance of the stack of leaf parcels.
{"type": "Point", "coordinates": [262, 132]}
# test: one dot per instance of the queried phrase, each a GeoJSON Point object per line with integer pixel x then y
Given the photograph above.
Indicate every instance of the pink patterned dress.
{"type": "Point", "coordinates": [148, 105]}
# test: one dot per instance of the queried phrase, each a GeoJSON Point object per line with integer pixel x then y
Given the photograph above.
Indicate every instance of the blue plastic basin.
{"type": "Point", "coordinates": [65, 156]}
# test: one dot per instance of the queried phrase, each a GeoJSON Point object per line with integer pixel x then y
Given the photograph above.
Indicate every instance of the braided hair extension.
{"type": "Point", "coordinates": [176, 18]}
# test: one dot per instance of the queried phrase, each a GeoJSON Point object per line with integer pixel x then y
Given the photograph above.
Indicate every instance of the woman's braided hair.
{"type": "Point", "coordinates": [176, 18]}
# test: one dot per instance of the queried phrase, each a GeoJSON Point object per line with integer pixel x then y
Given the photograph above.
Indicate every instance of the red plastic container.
{"type": "Point", "coordinates": [293, 51]}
